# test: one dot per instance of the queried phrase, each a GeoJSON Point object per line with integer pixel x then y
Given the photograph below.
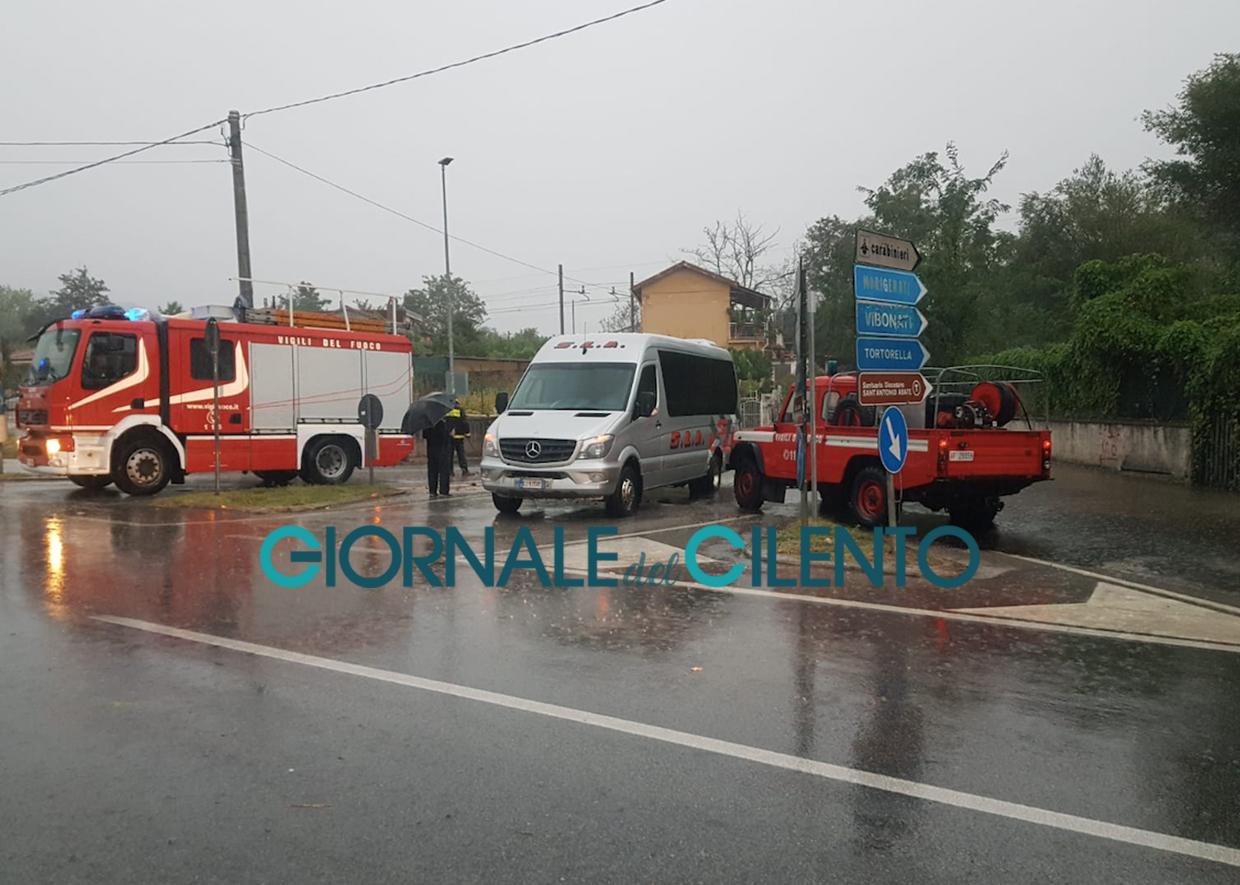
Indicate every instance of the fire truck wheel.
{"type": "Point", "coordinates": [505, 504]}
{"type": "Point", "coordinates": [91, 483]}
{"type": "Point", "coordinates": [628, 494]}
{"type": "Point", "coordinates": [747, 485]}
{"type": "Point", "coordinates": [328, 461]}
{"type": "Point", "coordinates": [708, 483]}
{"type": "Point", "coordinates": [867, 498]}
{"type": "Point", "coordinates": [142, 465]}
{"type": "Point", "coordinates": [276, 477]}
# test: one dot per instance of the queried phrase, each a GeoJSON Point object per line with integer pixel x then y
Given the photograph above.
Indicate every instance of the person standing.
{"type": "Point", "coordinates": [438, 457]}
{"type": "Point", "coordinates": [460, 433]}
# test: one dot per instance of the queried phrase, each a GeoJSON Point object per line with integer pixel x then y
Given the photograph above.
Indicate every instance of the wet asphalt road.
{"type": "Point", "coordinates": [131, 756]}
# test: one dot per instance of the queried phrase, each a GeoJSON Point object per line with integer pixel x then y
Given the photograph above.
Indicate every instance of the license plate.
{"type": "Point", "coordinates": [960, 455]}
{"type": "Point", "coordinates": [525, 482]}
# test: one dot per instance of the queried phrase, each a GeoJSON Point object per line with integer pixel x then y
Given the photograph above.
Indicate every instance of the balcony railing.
{"type": "Point", "coordinates": [746, 332]}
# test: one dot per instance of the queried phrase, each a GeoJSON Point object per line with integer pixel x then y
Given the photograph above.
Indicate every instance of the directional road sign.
{"type": "Point", "coordinates": [890, 354]}
{"type": "Point", "coordinates": [891, 388]}
{"type": "Point", "coordinates": [886, 251]}
{"type": "Point", "coordinates": [893, 440]}
{"type": "Point", "coordinates": [890, 286]}
{"type": "Point", "coordinates": [897, 320]}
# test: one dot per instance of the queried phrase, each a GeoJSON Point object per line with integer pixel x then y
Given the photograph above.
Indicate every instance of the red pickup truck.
{"type": "Point", "coordinates": [962, 457]}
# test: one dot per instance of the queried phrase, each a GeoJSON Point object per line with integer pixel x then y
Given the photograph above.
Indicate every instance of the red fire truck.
{"type": "Point", "coordinates": [962, 456]}
{"type": "Point", "coordinates": [119, 396]}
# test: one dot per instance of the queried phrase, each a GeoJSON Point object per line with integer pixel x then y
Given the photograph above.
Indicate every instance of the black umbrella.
{"type": "Point", "coordinates": [426, 412]}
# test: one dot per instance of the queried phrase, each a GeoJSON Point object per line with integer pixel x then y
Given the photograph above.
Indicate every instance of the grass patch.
{"type": "Point", "coordinates": [285, 499]}
{"type": "Point", "coordinates": [788, 541]}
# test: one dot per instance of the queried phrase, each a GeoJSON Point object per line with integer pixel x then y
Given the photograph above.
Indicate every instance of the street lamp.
{"type": "Point", "coordinates": [447, 272]}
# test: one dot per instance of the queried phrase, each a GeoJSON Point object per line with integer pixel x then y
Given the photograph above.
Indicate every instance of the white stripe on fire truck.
{"type": "Point", "coordinates": [232, 388]}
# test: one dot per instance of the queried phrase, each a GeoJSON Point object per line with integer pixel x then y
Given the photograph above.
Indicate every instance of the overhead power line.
{"type": "Point", "coordinates": [118, 162]}
{"type": "Point", "coordinates": [146, 147]}
{"type": "Point", "coordinates": [139, 147]}
{"type": "Point", "coordinates": [458, 64]}
{"type": "Point", "coordinates": [98, 143]}
{"type": "Point", "coordinates": [399, 214]}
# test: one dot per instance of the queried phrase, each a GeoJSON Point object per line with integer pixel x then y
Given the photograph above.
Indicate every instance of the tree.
{"type": "Point", "coordinates": [522, 344]}
{"type": "Point", "coordinates": [78, 290]}
{"type": "Point", "coordinates": [828, 256]}
{"type": "Point", "coordinates": [18, 319]}
{"type": "Point", "coordinates": [431, 303]}
{"type": "Point", "coordinates": [172, 308]}
{"type": "Point", "coordinates": [735, 249]}
{"type": "Point", "coordinates": [305, 297]}
{"type": "Point", "coordinates": [945, 212]}
{"type": "Point", "coordinates": [626, 317]}
{"type": "Point", "coordinates": [753, 370]}
{"type": "Point", "coordinates": [1205, 129]}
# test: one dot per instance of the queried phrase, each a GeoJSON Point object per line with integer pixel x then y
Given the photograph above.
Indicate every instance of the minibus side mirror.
{"type": "Point", "coordinates": [644, 405]}
{"type": "Point", "coordinates": [501, 402]}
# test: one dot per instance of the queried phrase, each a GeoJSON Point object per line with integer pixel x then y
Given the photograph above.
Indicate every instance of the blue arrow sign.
{"type": "Point", "coordinates": [893, 440]}
{"type": "Point", "coordinates": [890, 354]}
{"type": "Point", "coordinates": [891, 286]}
{"type": "Point", "coordinates": [896, 320]}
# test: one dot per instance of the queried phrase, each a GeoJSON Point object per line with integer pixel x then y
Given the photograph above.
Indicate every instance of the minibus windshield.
{"type": "Point", "coordinates": [602, 387]}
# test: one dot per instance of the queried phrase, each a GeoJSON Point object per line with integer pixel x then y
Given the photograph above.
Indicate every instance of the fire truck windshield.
{"type": "Point", "coordinates": [53, 355]}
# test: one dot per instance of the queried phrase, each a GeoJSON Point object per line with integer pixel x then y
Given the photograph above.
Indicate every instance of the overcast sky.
{"type": "Point", "coordinates": [607, 150]}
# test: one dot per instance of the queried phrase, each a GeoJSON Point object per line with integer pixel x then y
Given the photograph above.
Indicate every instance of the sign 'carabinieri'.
{"type": "Point", "coordinates": [884, 251]}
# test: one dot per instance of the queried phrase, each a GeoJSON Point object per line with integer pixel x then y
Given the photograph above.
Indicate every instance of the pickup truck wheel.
{"type": "Point", "coordinates": [505, 504]}
{"type": "Point", "coordinates": [867, 499]}
{"type": "Point", "coordinates": [91, 483]}
{"type": "Point", "coordinates": [628, 494]}
{"type": "Point", "coordinates": [747, 486]}
{"type": "Point", "coordinates": [975, 513]}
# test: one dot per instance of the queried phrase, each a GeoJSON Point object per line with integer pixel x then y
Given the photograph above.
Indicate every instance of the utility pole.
{"type": "Point", "coordinates": [573, 306]}
{"type": "Point", "coordinates": [561, 299]}
{"type": "Point", "coordinates": [447, 274]}
{"type": "Point", "coordinates": [632, 304]}
{"type": "Point", "coordinates": [240, 212]}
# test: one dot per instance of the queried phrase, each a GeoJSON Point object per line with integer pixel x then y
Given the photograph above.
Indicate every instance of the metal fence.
{"type": "Point", "coordinates": [1216, 456]}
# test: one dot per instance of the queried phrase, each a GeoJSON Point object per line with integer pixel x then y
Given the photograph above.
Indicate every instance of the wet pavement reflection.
{"type": "Point", "coordinates": [1121, 731]}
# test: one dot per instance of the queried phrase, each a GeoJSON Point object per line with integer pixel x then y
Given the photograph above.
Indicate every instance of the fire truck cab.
{"type": "Point", "coordinates": [121, 396]}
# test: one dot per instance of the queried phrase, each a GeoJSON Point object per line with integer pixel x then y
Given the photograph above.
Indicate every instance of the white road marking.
{"type": "Point", "coordinates": [1115, 607]}
{"type": "Point", "coordinates": [915, 789]}
{"type": "Point", "coordinates": [1170, 594]}
{"type": "Point", "coordinates": [952, 615]}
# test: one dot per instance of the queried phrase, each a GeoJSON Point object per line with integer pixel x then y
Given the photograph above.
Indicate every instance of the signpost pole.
{"type": "Point", "coordinates": [213, 344]}
{"type": "Point", "coordinates": [802, 377]}
{"type": "Point", "coordinates": [812, 389]}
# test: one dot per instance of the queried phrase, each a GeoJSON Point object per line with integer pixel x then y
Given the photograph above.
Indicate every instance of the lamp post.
{"type": "Point", "coordinates": [447, 273]}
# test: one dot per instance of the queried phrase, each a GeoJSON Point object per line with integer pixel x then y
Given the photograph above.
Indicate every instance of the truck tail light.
{"type": "Point", "coordinates": [942, 455]}
{"type": "Point", "coordinates": [1046, 455]}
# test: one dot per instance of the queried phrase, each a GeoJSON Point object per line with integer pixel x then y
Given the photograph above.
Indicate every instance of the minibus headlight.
{"type": "Point", "coordinates": [490, 448]}
{"type": "Point", "coordinates": [596, 447]}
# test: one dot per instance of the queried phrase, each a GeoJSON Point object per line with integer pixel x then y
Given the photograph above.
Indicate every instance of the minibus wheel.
{"type": "Point", "coordinates": [628, 494]}
{"type": "Point", "coordinates": [505, 504]}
